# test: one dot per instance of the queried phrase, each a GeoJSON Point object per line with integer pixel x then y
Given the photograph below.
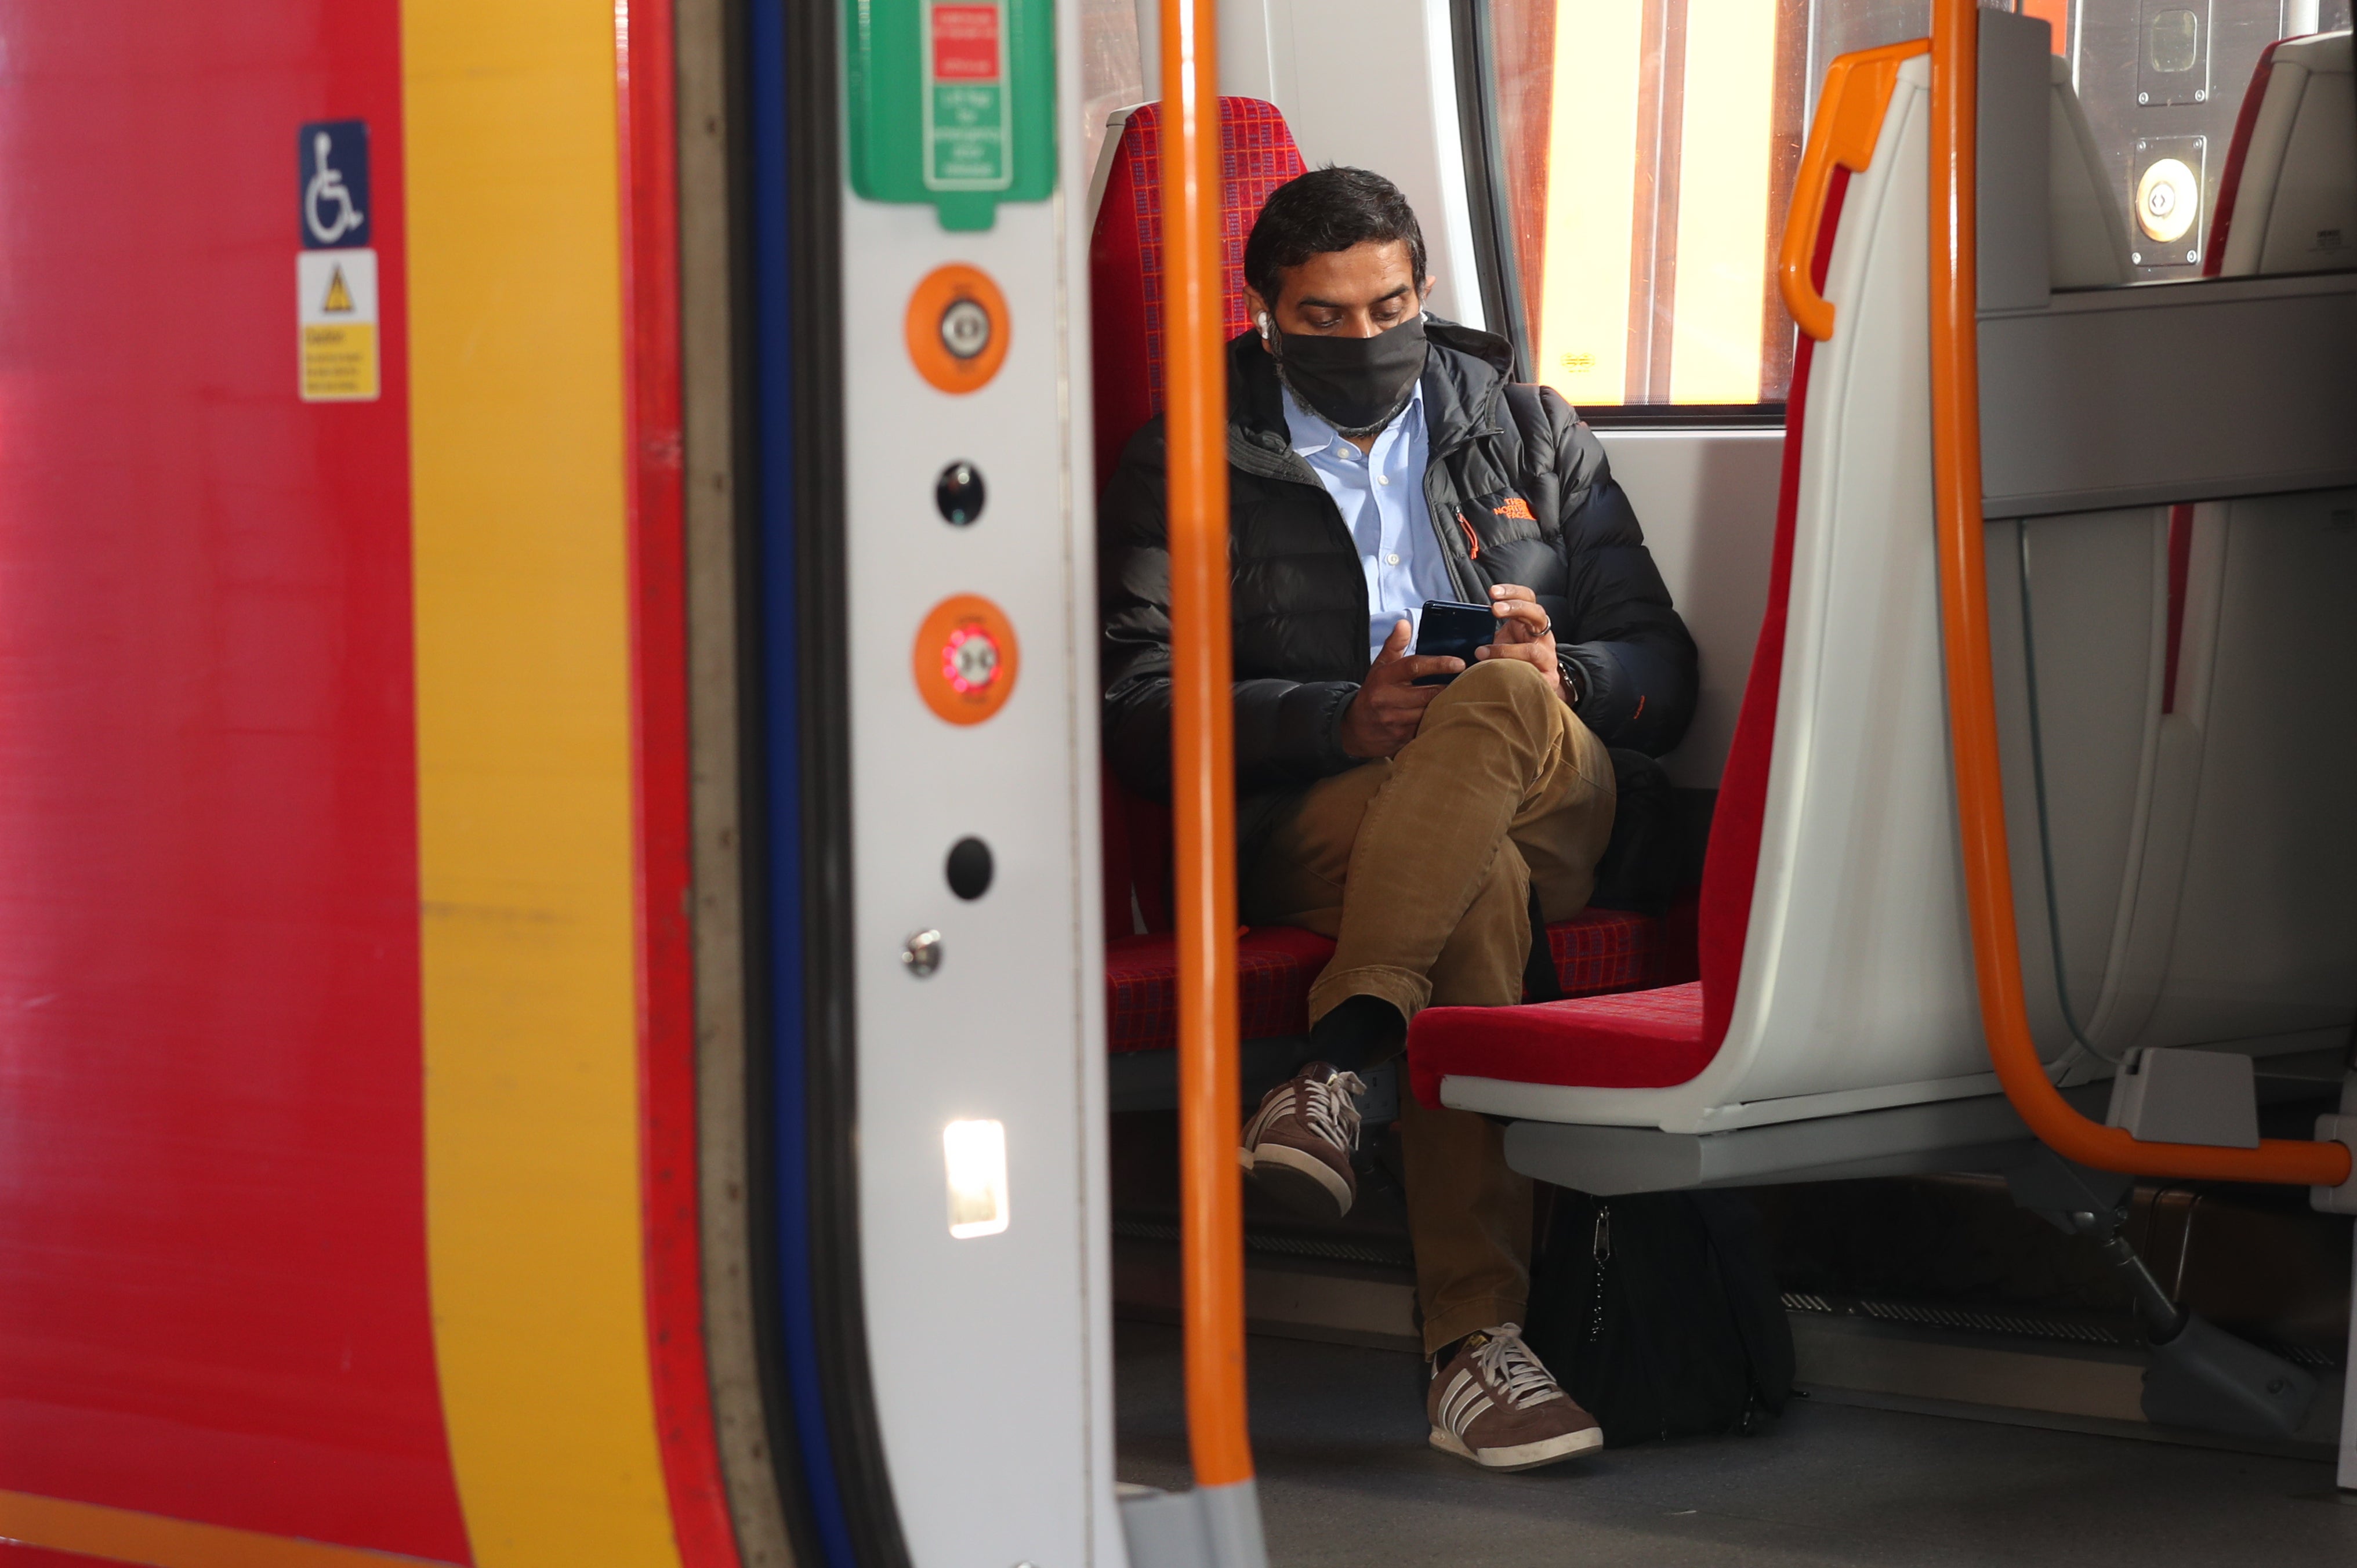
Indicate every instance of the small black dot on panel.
{"type": "Point", "coordinates": [959, 493]}
{"type": "Point", "coordinates": [970, 868]}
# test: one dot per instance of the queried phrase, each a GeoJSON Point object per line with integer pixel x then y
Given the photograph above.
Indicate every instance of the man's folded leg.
{"type": "Point", "coordinates": [1299, 879]}
{"type": "Point", "coordinates": [1300, 1144]}
{"type": "Point", "coordinates": [1488, 1400]}
{"type": "Point", "coordinates": [1469, 1217]}
{"type": "Point", "coordinates": [1468, 1214]}
{"type": "Point", "coordinates": [1498, 754]}
{"type": "Point", "coordinates": [1391, 860]}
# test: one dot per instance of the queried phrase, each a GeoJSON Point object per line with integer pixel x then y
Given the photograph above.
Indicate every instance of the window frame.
{"type": "Point", "coordinates": [1497, 271]}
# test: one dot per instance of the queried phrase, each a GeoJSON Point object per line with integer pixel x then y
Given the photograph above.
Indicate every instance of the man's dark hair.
{"type": "Point", "coordinates": [1329, 209]}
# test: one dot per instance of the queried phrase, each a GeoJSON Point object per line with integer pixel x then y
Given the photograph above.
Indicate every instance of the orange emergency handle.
{"type": "Point", "coordinates": [1850, 118]}
{"type": "Point", "coordinates": [1972, 691]}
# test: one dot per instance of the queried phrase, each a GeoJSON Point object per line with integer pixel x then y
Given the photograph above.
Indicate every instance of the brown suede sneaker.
{"type": "Point", "coordinates": [1496, 1404]}
{"type": "Point", "coordinates": [1297, 1144]}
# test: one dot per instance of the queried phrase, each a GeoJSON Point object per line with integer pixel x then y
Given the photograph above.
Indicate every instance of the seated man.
{"type": "Point", "coordinates": [1380, 458]}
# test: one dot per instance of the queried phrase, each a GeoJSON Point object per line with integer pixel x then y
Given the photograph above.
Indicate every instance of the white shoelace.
{"type": "Point", "coordinates": [1508, 1366]}
{"type": "Point", "coordinates": [1331, 1108]}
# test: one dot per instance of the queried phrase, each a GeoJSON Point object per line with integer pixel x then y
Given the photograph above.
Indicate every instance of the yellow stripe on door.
{"type": "Point", "coordinates": [524, 781]}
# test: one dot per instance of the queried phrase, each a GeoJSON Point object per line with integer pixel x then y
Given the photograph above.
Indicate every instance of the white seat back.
{"type": "Point", "coordinates": [2087, 238]}
{"type": "Point", "coordinates": [2293, 207]}
{"type": "Point", "coordinates": [1856, 990]}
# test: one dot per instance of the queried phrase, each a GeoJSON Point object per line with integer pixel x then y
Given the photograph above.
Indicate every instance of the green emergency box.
{"type": "Point", "coordinates": [952, 102]}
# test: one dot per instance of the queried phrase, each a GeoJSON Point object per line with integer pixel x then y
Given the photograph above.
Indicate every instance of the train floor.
{"type": "Point", "coordinates": [1346, 1477]}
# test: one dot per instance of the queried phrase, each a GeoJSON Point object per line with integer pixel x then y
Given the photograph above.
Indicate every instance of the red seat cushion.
{"type": "Point", "coordinates": [1636, 1039]}
{"type": "Point", "coordinates": [1274, 967]}
{"type": "Point", "coordinates": [1596, 950]}
{"type": "Point", "coordinates": [1612, 950]}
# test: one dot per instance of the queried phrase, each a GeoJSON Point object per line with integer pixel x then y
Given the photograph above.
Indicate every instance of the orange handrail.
{"type": "Point", "coordinates": [1202, 770]}
{"type": "Point", "coordinates": [1972, 693]}
{"type": "Point", "coordinates": [1850, 110]}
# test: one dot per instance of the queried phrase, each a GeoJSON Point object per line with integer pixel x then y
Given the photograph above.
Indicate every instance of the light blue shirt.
{"type": "Point", "coordinates": [1381, 494]}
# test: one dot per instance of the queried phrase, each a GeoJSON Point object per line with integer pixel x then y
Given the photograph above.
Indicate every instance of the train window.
{"type": "Point", "coordinates": [1641, 155]}
{"type": "Point", "coordinates": [1644, 151]}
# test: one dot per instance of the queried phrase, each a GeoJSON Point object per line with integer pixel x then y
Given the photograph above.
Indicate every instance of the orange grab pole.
{"type": "Point", "coordinates": [1850, 109]}
{"type": "Point", "coordinates": [1202, 761]}
{"type": "Point", "coordinates": [1972, 696]}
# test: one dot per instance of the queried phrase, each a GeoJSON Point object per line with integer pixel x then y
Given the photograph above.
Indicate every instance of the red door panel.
{"type": "Point", "coordinates": [212, 1249]}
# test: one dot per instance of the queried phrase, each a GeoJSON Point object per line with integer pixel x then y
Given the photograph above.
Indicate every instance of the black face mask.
{"type": "Point", "coordinates": [1355, 384]}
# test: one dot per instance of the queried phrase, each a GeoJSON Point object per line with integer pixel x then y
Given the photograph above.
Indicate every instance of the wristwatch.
{"type": "Point", "coordinates": [1574, 683]}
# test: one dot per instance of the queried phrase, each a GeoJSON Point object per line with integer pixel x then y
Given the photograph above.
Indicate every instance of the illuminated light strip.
{"type": "Point", "coordinates": [1582, 325]}
{"type": "Point", "coordinates": [526, 812]}
{"type": "Point", "coordinates": [124, 1535]}
{"type": "Point", "coordinates": [1722, 217]}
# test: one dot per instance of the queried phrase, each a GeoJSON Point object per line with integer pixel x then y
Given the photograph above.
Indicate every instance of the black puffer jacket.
{"type": "Point", "coordinates": [1510, 466]}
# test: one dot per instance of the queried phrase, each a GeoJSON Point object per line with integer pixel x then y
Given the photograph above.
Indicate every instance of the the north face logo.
{"type": "Point", "coordinates": [1516, 508]}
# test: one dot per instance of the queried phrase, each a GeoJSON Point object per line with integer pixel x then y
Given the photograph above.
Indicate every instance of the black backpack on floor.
{"type": "Point", "coordinates": [1659, 1314]}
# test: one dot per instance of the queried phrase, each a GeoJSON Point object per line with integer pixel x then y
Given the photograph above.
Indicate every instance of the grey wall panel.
{"type": "Point", "coordinates": [2179, 392]}
{"type": "Point", "coordinates": [2265, 938]}
{"type": "Point", "coordinates": [2013, 172]}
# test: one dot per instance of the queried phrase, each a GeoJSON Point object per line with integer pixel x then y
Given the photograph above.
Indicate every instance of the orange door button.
{"type": "Point", "coordinates": [965, 658]}
{"type": "Point", "coordinates": [957, 328]}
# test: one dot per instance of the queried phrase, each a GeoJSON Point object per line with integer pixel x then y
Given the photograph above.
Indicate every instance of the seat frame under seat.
{"type": "Point", "coordinates": [1925, 1138]}
{"type": "Point", "coordinates": [1981, 1133]}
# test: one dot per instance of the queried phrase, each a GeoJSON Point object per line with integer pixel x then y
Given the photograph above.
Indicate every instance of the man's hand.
{"type": "Point", "coordinates": [1523, 632]}
{"type": "Point", "coordinates": [1384, 714]}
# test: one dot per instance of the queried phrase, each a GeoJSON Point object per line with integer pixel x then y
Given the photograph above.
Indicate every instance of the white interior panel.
{"type": "Point", "coordinates": [2295, 207]}
{"type": "Point", "coordinates": [2107, 761]}
{"type": "Point", "coordinates": [2312, 222]}
{"type": "Point", "coordinates": [1359, 85]}
{"type": "Point", "coordinates": [2266, 924]}
{"type": "Point", "coordinates": [1369, 83]}
{"type": "Point", "coordinates": [1706, 499]}
{"type": "Point", "coordinates": [2202, 863]}
{"type": "Point", "coordinates": [2097, 597]}
{"type": "Point", "coordinates": [2087, 241]}
{"type": "Point", "coordinates": [1008, 1333]}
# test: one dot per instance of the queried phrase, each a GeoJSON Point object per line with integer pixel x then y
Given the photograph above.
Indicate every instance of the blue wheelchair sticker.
{"type": "Point", "coordinates": [332, 175]}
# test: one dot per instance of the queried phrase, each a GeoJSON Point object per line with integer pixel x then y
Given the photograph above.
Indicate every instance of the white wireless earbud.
{"type": "Point", "coordinates": [1262, 322]}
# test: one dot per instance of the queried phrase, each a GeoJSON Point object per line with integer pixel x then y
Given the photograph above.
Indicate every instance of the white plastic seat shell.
{"type": "Point", "coordinates": [2295, 197]}
{"type": "Point", "coordinates": [2087, 239]}
{"type": "Point", "coordinates": [1855, 990]}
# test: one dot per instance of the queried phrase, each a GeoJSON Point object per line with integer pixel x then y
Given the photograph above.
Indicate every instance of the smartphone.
{"type": "Point", "coordinates": [1453, 630]}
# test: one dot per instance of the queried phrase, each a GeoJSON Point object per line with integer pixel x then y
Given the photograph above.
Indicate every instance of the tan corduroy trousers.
{"type": "Point", "coordinates": [1420, 868]}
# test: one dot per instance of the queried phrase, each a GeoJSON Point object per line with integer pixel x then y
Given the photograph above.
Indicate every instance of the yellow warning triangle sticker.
{"type": "Point", "coordinates": [338, 297]}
